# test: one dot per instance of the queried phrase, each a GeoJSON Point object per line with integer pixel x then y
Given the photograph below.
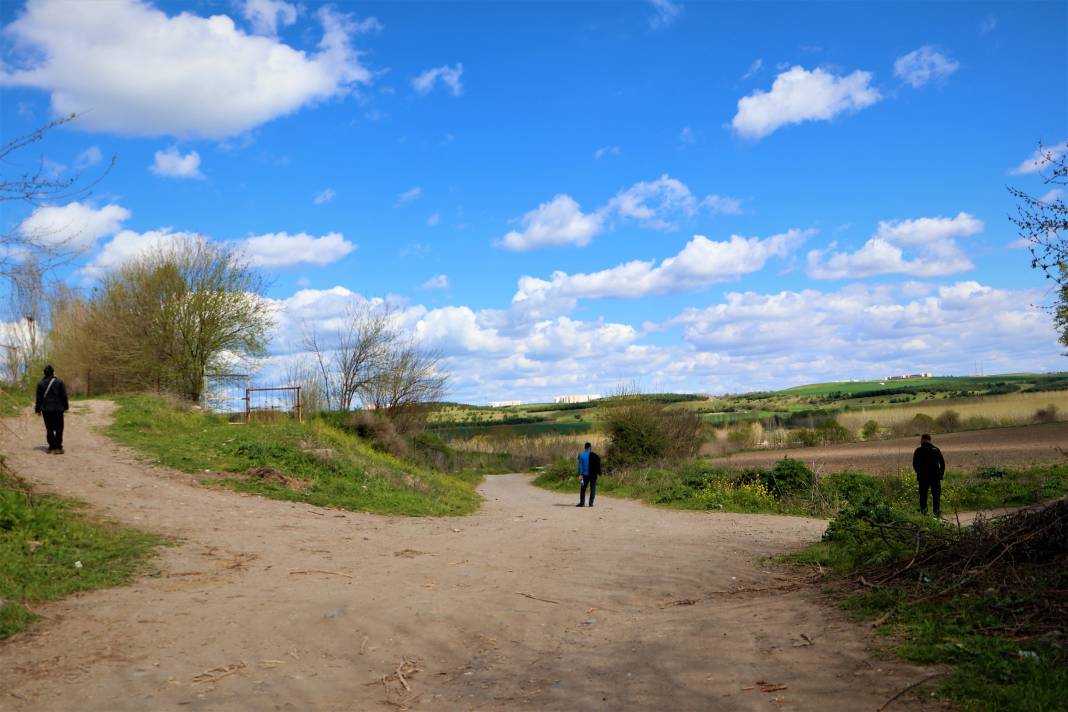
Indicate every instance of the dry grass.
{"type": "Point", "coordinates": [1011, 409]}
{"type": "Point", "coordinates": [532, 449]}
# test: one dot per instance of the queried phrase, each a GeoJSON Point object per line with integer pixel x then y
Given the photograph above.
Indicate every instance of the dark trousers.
{"type": "Point", "coordinates": [54, 428]}
{"type": "Point", "coordinates": [592, 482]}
{"type": "Point", "coordinates": [935, 485]}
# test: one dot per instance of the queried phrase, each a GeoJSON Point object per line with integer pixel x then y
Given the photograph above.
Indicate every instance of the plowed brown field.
{"type": "Point", "coordinates": [1008, 447]}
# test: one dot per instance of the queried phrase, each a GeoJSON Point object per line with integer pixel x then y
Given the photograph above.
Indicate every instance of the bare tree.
{"type": "Point", "coordinates": [35, 185]}
{"type": "Point", "coordinates": [408, 381]}
{"type": "Point", "coordinates": [1043, 223]}
{"type": "Point", "coordinates": [306, 375]}
{"type": "Point", "coordinates": [24, 339]}
{"type": "Point", "coordinates": [352, 356]}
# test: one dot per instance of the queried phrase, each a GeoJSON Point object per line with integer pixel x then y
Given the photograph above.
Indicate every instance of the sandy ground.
{"type": "Point", "coordinates": [530, 604]}
{"type": "Point", "coordinates": [1021, 446]}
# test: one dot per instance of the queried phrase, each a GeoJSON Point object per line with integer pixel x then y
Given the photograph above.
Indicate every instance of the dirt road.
{"type": "Point", "coordinates": [1006, 447]}
{"type": "Point", "coordinates": [531, 604]}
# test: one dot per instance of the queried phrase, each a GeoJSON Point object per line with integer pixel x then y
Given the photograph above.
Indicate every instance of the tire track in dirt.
{"type": "Point", "coordinates": [528, 604]}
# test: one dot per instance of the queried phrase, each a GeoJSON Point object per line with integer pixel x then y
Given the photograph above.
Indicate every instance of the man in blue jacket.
{"type": "Point", "coordinates": [589, 467]}
{"type": "Point", "coordinates": [52, 404]}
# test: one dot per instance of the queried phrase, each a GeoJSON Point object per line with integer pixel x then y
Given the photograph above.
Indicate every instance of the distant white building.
{"type": "Point", "coordinates": [504, 404]}
{"type": "Point", "coordinates": [905, 377]}
{"type": "Point", "coordinates": [585, 398]}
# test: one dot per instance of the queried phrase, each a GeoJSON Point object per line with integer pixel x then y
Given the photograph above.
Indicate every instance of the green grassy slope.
{"type": "Point", "coordinates": [336, 469]}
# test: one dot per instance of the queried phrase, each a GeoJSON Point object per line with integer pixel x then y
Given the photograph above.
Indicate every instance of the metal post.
{"type": "Point", "coordinates": [248, 404]}
{"type": "Point", "coordinates": [300, 407]}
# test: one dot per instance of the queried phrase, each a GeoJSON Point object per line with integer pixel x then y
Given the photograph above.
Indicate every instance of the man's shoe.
{"type": "Point", "coordinates": [59, 451]}
{"type": "Point", "coordinates": [580, 504]}
{"type": "Point", "coordinates": [50, 451]}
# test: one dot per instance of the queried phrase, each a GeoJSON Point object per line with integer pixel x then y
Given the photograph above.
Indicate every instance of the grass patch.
{"type": "Point", "coordinates": [986, 599]}
{"type": "Point", "coordinates": [790, 488]}
{"type": "Point", "coordinates": [337, 469]}
{"type": "Point", "coordinates": [41, 539]}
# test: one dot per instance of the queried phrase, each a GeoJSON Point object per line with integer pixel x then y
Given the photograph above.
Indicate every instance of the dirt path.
{"type": "Point", "coordinates": [248, 594]}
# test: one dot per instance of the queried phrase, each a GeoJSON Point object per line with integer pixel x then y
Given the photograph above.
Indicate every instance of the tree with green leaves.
{"type": "Point", "coordinates": [1043, 223]}
{"type": "Point", "coordinates": [168, 318]}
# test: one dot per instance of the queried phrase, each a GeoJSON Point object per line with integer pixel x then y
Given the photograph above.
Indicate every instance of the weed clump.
{"type": "Point", "coordinates": [788, 477]}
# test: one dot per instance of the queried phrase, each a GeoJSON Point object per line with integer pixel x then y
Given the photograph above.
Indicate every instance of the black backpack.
{"type": "Point", "coordinates": [595, 464]}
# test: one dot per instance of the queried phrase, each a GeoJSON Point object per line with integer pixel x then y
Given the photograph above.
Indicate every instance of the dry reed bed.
{"type": "Point", "coordinates": [1010, 409]}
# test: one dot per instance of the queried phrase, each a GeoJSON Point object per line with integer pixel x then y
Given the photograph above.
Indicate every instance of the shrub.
{"type": "Point", "coordinates": [829, 431]}
{"type": "Point", "coordinates": [1046, 415]}
{"type": "Point", "coordinates": [788, 477]}
{"type": "Point", "coordinates": [742, 436]}
{"type": "Point", "coordinates": [948, 421]}
{"type": "Point", "coordinates": [642, 431]}
{"type": "Point", "coordinates": [850, 486]}
{"type": "Point", "coordinates": [803, 437]}
{"type": "Point", "coordinates": [977, 422]}
{"type": "Point", "coordinates": [921, 423]}
{"type": "Point", "coordinates": [871, 429]}
{"type": "Point", "coordinates": [380, 432]}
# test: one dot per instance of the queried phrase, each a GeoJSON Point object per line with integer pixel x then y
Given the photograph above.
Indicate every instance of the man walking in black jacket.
{"type": "Point", "coordinates": [52, 404]}
{"type": "Point", "coordinates": [929, 465]}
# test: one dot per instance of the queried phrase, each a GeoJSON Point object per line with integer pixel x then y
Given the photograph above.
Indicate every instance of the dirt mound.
{"type": "Point", "coordinates": [272, 476]}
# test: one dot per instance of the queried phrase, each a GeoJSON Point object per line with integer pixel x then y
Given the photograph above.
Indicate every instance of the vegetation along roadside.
{"type": "Point", "coordinates": [50, 548]}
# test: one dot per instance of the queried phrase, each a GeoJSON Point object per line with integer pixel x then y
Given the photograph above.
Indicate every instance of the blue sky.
{"type": "Point", "coordinates": [563, 197]}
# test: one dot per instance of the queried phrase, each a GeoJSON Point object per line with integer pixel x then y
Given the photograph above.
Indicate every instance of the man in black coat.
{"type": "Point", "coordinates": [929, 465]}
{"type": "Point", "coordinates": [52, 404]}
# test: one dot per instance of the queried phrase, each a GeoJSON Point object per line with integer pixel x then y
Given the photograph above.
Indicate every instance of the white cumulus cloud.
{"type": "Point", "coordinates": [280, 249]}
{"type": "Point", "coordinates": [924, 64]}
{"type": "Point", "coordinates": [798, 95]}
{"type": "Point", "coordinates": [932, 242]}
{"type": "Point", "coordinates": [655, 204]}
{"type": "Point", "coordinates": [861, 330]}
{"type": "Point", "coordinates": [700, 264]}
{"type": "Point", "coordinates": [449, 76]}
{"type": "Point", "coordinates": [557, 222]}
{"type": "Point", "coordinates": [135, 70]}
{"type": "Point", "coordinates": [129, 245]}
{"type": "Point", "coordinates": [1041, 158]}
{"type": "Point", "coordinates": [266, 16]}
{"type": "Point", "coordinates": [75, 225]}
{"type": "Point", "coordinates": [171, 163]}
